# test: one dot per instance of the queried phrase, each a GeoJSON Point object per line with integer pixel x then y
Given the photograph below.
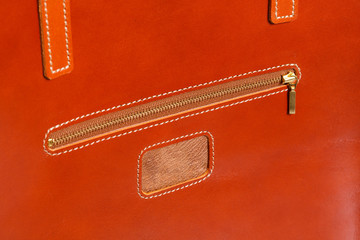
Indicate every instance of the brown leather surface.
{"type": "Point", "coordinates": [276, 176]}
{"type": "Point", "coordinates": [165, 166]}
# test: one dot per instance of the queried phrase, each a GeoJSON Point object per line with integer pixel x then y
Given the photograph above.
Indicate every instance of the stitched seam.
{"type": "Point", "coordinates": [157, 124]}
{"type": "Point", "coordinates": [148, 98]}
{"type": "Point", "coordinates": [182, 187]}
{"type": "Point", "coordinates": [49, 40]}
{"type": "Point", "coordinates": [175, 91]}
{"type": "Point", "coordinates": [144, 99]}
{"type": "Point", "coordinates": [285, 16]}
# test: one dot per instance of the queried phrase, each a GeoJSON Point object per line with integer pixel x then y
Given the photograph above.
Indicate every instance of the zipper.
{"type": "Point", "coordinates": [292, 81]}
{"type": "Point", "coordinates": [174, 105]}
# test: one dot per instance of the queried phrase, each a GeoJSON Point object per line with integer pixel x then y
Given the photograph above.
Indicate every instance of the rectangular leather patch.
{"type": "Point", "coordinates": [179, 161]}
{"type": "Point", "coordinates": [282, 11]}
{"type": "Point", "coordinates": [56, 39]}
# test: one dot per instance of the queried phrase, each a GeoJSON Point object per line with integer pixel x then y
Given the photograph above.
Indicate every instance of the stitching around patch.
{"type": "Point", "coordinates": [182, 187]}
{"type": "Point", "coordinates": [168, 121]}
{"type": "Point", "coordinates": [285, 16]}
{"type": "Point", "coordinates": [49, 41]}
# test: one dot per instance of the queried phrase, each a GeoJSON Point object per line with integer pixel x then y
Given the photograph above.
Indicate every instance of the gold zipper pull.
{"type": "Point", "coordinates": [291, 80]}
{"type": "Point", "coordinates": [50, 142]}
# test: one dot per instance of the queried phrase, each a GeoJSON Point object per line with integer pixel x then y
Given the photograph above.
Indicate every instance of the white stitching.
{"type": "Point", "coordinates": [66, 39]}
{"type": "Point", "coordinates": [286, 16]}
{"type": "Point", "coordinates": [176, 91]}
{"type": "Point", "coordinates": [165, 122]}
{"type": "Point", "coordinates": [144, 99]}
{"type": "Point", "coordinates": [158, 124]}
{"type": "Point", "coordinates": [182, 187]}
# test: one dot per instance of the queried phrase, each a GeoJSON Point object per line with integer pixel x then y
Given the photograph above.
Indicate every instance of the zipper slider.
{"type": "Point", "coordinates": [291, 80]}
{"type": "Point", "coordinates": [50, 142]}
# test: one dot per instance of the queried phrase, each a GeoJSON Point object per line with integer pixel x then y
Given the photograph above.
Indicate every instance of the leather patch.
{"type": "Point", "coordinates": [282, 11]}
{"type": "Point", "coordinates": [175, 164]}
{"type": "Point", "coordinates": [56, 39]}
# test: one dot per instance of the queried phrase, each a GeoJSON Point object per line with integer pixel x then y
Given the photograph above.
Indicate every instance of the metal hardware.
{"type": "Point", "coordinates": [163, 108]}
{"type": "Point", "coordinates": [291, 80]}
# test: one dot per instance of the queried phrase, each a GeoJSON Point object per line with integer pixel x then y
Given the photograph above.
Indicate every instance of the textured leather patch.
{"type": "Point", "coordinates": [175, 162]}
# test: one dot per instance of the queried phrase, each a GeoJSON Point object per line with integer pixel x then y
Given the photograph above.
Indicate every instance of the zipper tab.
{"type": "Point", "coordinates": [291, 80]}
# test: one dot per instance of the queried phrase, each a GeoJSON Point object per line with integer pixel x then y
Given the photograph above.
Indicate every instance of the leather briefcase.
{"type": "Point", "coordinates": [180, 119]}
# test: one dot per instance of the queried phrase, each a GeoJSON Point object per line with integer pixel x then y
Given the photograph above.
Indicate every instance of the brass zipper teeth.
{"type": "Point", "coordinates": [112, 123]}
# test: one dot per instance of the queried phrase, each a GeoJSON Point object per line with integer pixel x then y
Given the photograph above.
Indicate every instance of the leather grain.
{"type": "Point", "coordinates": [174, 164]}
{"type": "Point", "coordinates": [276, 176]}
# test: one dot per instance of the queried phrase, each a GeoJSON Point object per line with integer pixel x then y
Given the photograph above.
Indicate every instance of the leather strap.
{"type": "Point", "coordinates": [56, 41]}
{"type": "Point", "coordinates": [56, 32]}
{"type": "Point", "coordinates": [282, 11]}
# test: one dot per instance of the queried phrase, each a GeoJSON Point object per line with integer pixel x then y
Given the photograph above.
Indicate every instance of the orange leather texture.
{"type": "Point", "coordinates": [275, 176]}
{"type": "Point", "coordinates": [56, 38]}
{"type": "Point", "coordinates": [282, 11]}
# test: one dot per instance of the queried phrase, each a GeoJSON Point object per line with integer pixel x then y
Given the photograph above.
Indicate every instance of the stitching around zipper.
{"type": "Point", "coordinates": [87, 131]}
{"type": "Point", "coordinates": [158, 124]}
{"type": "Point", "coordinates": [165, 122]}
